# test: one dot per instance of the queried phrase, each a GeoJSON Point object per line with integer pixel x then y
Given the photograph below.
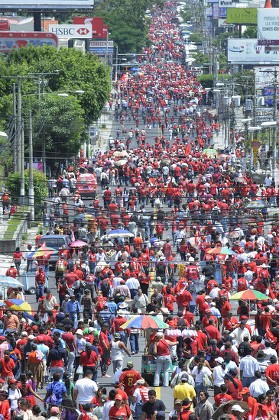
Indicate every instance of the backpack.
{"type": "Point", "coordinates": [56, 393]}
{"type": "Point", "coordinates": [105, 287]}
{"type": "Point", "coordinates": [39, 355]}
{"type": "Point", "coordinates": [56, 354]}
{"type": "Point", "coordinates": [60, 266]}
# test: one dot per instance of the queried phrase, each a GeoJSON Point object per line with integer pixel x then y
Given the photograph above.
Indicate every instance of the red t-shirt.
{"type": "Point", "coordinates": [128, 378]}
{"type": "Point", "coordinates": [222, 398]}
{"type": "Point", "coordinates": [123, 411]}
{"type": "Point", "coordinates": [7, 367]}
{"type": "Point", "coordinates": [88, 359]}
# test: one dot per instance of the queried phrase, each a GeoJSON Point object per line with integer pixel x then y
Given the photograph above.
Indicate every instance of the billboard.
{"type": "Point", "coordinates": [226, 3]}
{"type": "Point", "coordinates": [97, 23]}
{"type": "Point", "coordinates": [101, 47]}
{"type": "Point", "coordinates": [268, 26]}
{"type": "Point", "coordinates": [15, 40]}
{"type": "Point", "coordinates": [241, 51]}
{"type": "Point", "coordinates": [15, 5]}
{"type": "Point", "coordinates": [264, 76]}
{"type": "Point", "coordinates": [222, 12]}
{"type": "Point", "coordinates": [72, 31]}
{"type": "Point", "coordinates": [242, 16]}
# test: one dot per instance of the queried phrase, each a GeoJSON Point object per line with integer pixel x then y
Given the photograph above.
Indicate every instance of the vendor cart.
{"type": "Point", "coordinates": [148, 368]}
{"type": "Point", "coordinates": [28, 281]}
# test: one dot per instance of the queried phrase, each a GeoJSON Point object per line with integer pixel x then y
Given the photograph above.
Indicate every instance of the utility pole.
{"type": "Point", "coordinates": [15, 129]}
{"type": "Point", "coordinates": [31, 175]}
{"type": "Point", "coordinates": [19, 124]}
{"type": "Point", "coordinates": [22, 180]}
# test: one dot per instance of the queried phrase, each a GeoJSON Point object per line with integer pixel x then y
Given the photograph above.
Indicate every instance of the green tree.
{"type": "Point", "coordinates": [58, 122]}
{"type": "Point", "coordinates": [40, 185]}
{"type": "Point", "coordinates": [126, 21]}
{"type": "Point", "coordinates": [250, 32]}
{"type": "Point", "coordinates": [70, 70]}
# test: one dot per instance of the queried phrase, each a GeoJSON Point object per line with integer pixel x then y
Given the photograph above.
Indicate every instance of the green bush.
{"type": "Point", "coordinates": [40, 185]}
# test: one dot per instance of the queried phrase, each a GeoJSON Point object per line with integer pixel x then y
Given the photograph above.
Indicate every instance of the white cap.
{"type": "Point", "coordinates": [219, 360]}
{"type": "Point", "coordinates": [31, 337]}
{"type": "Point", "coordinates": [237, 407]}
{"type": "Point", "coordinates": [24, 334]}
{"type": "Point", "coordinates": [79, 332]}
{"type": "Point", "coordinates": [90, 329]}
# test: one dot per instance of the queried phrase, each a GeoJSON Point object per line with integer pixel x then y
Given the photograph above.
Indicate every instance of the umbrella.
{"type": "Point", "coordinates": [7, 281]}
{"type": "Point", "coordinates": [241, 179]}
{"type": "Point", "coordinates": [122, 153]}
{"type": "Point", "coordinates": [249, 294]}
{"type": "Point", "coordinates": [234, 234]}
{"type": "Point", "coordinates": [144, 322]}
{"type": "Point", "coordinates": [221, 250]}
{"type": "Point", "coordinates": [226, 408]}
{"type": "Point", "coordinates": [18, 305]}
{"type": "Point", "coordinates": [210, 152]}
{"type": "Point", "coordinates": [44, 251]}
{"type": "Point", "coordinates": [257, 204]}
{"type": "Point", "coordinates": [78, 244]}
{"type": "Point", "coordinates": [135, 69]}
{"type": "Point", "coordinates": [120, 233]}
{"type": "Point", "coordinates": [121, 162]}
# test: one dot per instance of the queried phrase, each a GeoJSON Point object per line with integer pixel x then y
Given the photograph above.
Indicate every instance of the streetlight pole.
{"type": "Point", "coordinates": [31, 175]}
{"type": "Point", "coordinates": [15, 129]}
{"type": "Point", "coordinates": [19, 124]}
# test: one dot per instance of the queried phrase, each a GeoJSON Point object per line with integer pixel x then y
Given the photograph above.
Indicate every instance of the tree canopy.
{"type": "Point", "coordinates": [126, 21]}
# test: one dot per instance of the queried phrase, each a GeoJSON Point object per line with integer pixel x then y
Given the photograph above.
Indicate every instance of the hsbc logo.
{"type": "Point", "coordinates": [72, 31]}
{"type": "Point", "coordinates": [83, 31]}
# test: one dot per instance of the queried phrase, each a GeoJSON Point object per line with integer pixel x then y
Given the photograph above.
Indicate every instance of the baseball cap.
{"type": "Point", "coordinates": [79, 332]}
{"type": "Point", "coordinates": [54, 410]}
{"type": "Point", "coordinates": [24, 334]}
{"type": "Point", "coordinates": [245, 390]}
{"type": "Point", "coordinates": [2, 338]}
{"type": "Point", "coordinates": [140, 382]}
{"type": "Point", "coordinates": [178, 402]}
{"type": "Point", "coordinates": [118, 397]}
{"type": "Point", "coordinates": [13, 381]}
{"type": "Point", "coordinates": [130, 364]}
{"type": "Point", "coordinates": [219, 360]}
{"type": "Point", "coordinates": [237, 407]}
{"type": "Point", "coordinates": [31, 337]}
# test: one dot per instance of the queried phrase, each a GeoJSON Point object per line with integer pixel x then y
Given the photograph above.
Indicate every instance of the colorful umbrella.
{"type": "Point", "coordinates": [210, 152]}
{"type": "Point", "coordinates": [18, 305]}
{"type": "Point", "coordinates": [78, 244]}
{"type": "Point", "coordinates": [256, 204]}
{"type": "Point", "coordinates": [249, 294]}
{"type": "Point", "coordinates": [120, 233]}
{"type": "Point", "coordinates": [221, 250]}
{"type": "Point", "coordinates": [7, 281]}
{"type": "Point", "coordinates": [144, 322]}
{"type": "Point", "coordinates": [44, 251]}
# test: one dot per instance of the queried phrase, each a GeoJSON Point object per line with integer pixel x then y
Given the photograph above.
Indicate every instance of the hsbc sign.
{"type": "Point", "coordinates": [72, 31]}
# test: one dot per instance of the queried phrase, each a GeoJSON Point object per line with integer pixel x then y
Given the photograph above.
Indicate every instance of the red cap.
{"type": "Point", "coordinates": [2, 338]}
{"type": "Point", "coordinates": [244, 318]}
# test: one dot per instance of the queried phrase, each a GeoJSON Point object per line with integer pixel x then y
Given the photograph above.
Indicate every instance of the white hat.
{"type": "Point", "coordinates": [213, 304]}
{"type": "Point", "coordinates": [219, 360]}
{"type": "Point", "coordinates": [31, 337]}
{"type": "Point", "coordinates": [91, 329]}
{"type": "Point", "coordinates": [79, 332]}
{"type": "Point", "coordinates": [24, 334]}
{"type": "Point", "coordinates": [264, 265]}
{"type": "Point", "coordinates": [237, 407]}
{"type": "Point", "coordinates": [191, 259]}
{"type": "Point", "coordinates": [207, 297]}
{"type": "Point", "coordinates": [123, 305]}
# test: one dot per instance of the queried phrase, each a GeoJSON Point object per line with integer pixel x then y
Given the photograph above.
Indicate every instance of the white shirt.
{"type": "Point", "coordinates": [218, 375]}
{"type": "Point", "coordinates": [269, 352]}
{"type": "Point", "coordinates": [214, 294]}
{"type": "Point", "coordinates": [240, 333]}
{"type": "Point", "coordinates": [199, 375]}
{"type": "Point", "coordinates": [133, 283]}
{"type": "Point", "coordinates": [258, 387]}
{"type": "Point", "coordinates": [86, 390]}
{"type": "Point", "coordinates": [249, 366]}
{"type": "Point", "coordinates": [107, 407]}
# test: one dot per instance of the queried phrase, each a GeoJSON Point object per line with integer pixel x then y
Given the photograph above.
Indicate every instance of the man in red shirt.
{"type": "Point", "coordinates": [40, 281]}
{"type": "Point", "coordinates": [129, 378]}
{"type": "Point", "coordinates": [223, 396]}
{"type": "Point", "coordinates": [7, 366]}
{"type": "Point", "coordinates": [212, 331]}
{"type": "Point", "coordinates": [272, 372]}
{"type": "Point", "coordinates": [105, 347]}
{"type": "Point", "coordinates": [88, 359]}
{"type": "Point", "coordinates": [12, 271]}
{"type": "Point", "coordinates": [233, 384]}
{"type": "Point", "coordinates": [5, 409]}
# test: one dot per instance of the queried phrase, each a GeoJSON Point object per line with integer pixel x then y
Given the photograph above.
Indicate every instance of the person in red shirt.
{"type": "Point", "coordinates": [12, 271]}
{"type": "Point", "coordinates": [169, 300]}
{"type": "Point", "coordinates": [128, 378]}
{"type": "Point", "coordinates": [229, 322]}
{"type": "Point", "coordinates": [223, 396]}
{"type": "Point", "coordinates": [5, 409]}
{"type": "Point", "coordinates": [7, 366]}
{"type": "Point", "coordinates": [272, 372]}
{"type": "Point", "coordinates": [40, 281]}
{"type": "Point", "coordinates": [233, 384]}
{"type": "Point", "coordinates": [88, 359]}
{"type": "Point", "coordinates": [120, 409]}
{"type": "Point", "coordinates": [212, 331]}
{"type": "Point", "coordinates": [105, 347]}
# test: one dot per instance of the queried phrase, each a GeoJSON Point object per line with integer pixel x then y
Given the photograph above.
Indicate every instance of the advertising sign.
{"type": "Point", "coordinates": [46, 4]}
{"type": "Point", "coordinates": [72, 31]}
{"type": "Point", "coordinates": [101, 47]}
{"type": "Point", "coordinates": [97, 23]}
{"type": "Point", "coordinates": [248, 51]}
{"type": "Point", "coordinates": [242, 16]}
{"type": "Point", "coordinates": [226, 3]}
{"type": "Point", "coordinates": [14, 40]}
{"type": "Point", "coordinates": [264, 76]}
{"type": "Point", "coordinates": [222, 12]}
{"type": "Point", "coordinates": [268, 26]}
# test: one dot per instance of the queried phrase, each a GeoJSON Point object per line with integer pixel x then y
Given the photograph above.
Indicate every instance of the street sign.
{"type": "Point", "coordinates": [15, 5]}
{"type": "Point", "coordinates": [100, 44]}
{"type": "Point", "coordinates": [72, 31]}
{"type": "Point", "coordinates": [101, 50]}
{"type": "Point", "coordinates": [15, 40]}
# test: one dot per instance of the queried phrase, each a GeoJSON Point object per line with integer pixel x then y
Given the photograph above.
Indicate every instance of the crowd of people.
{"type": "Point", "coordinates": [173, 231]}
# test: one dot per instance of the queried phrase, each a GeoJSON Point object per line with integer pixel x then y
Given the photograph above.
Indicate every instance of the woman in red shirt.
{"type": "Point", "coordinates": [162, 353]}
{"type": "Point", "coordinates": [17, 256]}
{"type": "Point", "coordinates": [120, 409]}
